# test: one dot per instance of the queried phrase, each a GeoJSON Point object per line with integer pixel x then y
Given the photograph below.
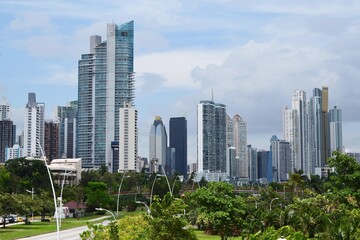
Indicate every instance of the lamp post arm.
{"type": "Point", "coordinates": [167, 180]}
{"type": "Point", "coordinates": [53, 190]}
{"type": "Point", "coordinates": [152, 189]}
{"type": "Point", "coordinates": [118, 195]}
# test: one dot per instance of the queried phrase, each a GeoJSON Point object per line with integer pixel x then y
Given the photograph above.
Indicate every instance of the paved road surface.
{"type": "Point", "coordinates": [70, 234]}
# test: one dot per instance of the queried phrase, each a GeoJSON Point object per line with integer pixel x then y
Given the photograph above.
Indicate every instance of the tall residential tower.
{"type": "Point", "coordinates": [106, 81]}
{"type": "Point", "coordinates": [34, 127]}
{"type": "Point", "coordinates": [211, 137]}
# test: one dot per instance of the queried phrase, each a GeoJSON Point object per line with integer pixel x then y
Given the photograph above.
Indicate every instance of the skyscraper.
{"type": "Point", "coordinates": [236, 136]}
{"type": "Point", "coordinates": [315, 131]}
{"type": "Point", "coordinates": [7, 129]}
{"type": "Point", "coordinates": [158, 145]}
{"type": "Point", "coordinates": [51, 140]}
{"type": "Point", "coordinates": [211, 137]}
{"type": "Point", "coordinates": [106, 81]}
{"type": "Point", "coordinates": [281, 158]}
{"type": "Point", "coordinates": [335, 124]}
{"type": "Point", "coordinates": [67, 130]}
{"type": "Point", "coordinates": [128, 140]}
{"type": "Point", "coordinates": [300, 129]}
{"type": "Point", "coordinates": [7, 137]}
{"type": "Point", "coordinates": [326, 152]}
{"type": "Point", "coordinates": [4, 109]}
{"type": "Point", "coordinates": [253, 164]}
{"type": "Point", "coordinates": [178, 140]}
{"type": "Point", "coordinates": [34, 126]}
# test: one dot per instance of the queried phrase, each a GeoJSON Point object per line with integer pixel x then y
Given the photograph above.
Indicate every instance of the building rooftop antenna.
{"type": "Point", "coordinates": [212, 94]}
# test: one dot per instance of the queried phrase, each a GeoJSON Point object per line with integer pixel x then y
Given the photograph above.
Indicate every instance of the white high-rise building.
{"type": "Point", "coordinates": [240, 143]}
{"type": "Point", "coordinates": [14, 152]}
{"type": "Point", "coordinates": [289, 128]}
{"type": "Point", "coordinates": [128, 138]}
{"type": "Point", "coordinates": [34, 126]}
{"type": "Point", "coordinates": [158, 145]}
{"type": "Point", "coordinates": [4, 109]}
{"type": "Point", "coordinates": [300, 130]}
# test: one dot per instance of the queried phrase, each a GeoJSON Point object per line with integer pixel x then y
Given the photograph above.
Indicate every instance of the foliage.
{"type": "Point", "coordinates": [217, 209]}
{"type": "Point", "coordinates": [344, 182]}
{"type": "Point", "coordinates": [167, 220]}
{"type": "Point", "coordinates": [95, 232]}
{"type": "Point", "coordinates": [133, 228]}
{"type": "Point", "coordinates": [310, 215]}
{"type": "Point", "coordinates": [271, 233]}
{"type": "Point", "coordinates": [25, 174]}
{"type": "Point", "coordinates": [97, 195]}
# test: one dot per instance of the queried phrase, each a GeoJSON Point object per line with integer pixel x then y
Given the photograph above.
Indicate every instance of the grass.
{"type": "Point", "coordinates": [37, 228]}
{"type": "Point", "coordinates": [202, 236]}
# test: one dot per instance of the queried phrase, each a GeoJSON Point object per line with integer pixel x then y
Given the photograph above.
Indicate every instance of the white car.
{"type": "Point", "coordinates": [2, 220]}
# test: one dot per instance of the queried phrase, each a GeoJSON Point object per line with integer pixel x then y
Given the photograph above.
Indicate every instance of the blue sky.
{"type": "Point", "coordinates": [253, 54]}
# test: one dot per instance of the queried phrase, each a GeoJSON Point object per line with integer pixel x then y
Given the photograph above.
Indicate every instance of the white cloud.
{"type": "Point", "coordinates": [30, 21]}
{"type": "Point", "coordinates": [175, 66]}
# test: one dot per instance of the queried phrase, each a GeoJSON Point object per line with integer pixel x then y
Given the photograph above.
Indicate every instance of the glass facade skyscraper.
{"type": "Point", "coordinates": [67, 129]}
{"type": "Point", "coordinates": [178, 140]}
{"type": "Point", "coordinates": [158, 145]}
{"type": "Point", "coordinates": [211, 137]}
{"type": "Point", "coordinates": [335, 124]}
{"type": "Point", "coordinates": [106, 82]}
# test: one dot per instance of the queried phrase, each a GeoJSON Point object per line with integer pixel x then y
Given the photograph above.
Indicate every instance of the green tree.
{"type": "Point", "coordinates": [26, 174]}
{"type": "Point", "coordinates": [133, 228]}
{"type": "Point", "coordinates": [167, 220]}
{"type": "Point", "coordinates": [310, 215]}
{"type": "Point", "coordinates": [97, 195]}
{"type": "Point", "coordinates": [5, 180]}
{"type": "Point", "coordinates": [217, 209]}
{"type": "Point", "coordinates": [344, 182]}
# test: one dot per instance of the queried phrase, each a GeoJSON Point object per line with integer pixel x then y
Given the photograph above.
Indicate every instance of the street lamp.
{"type": "Point", "coordinates": [176, 178]}
{"type": "Point", "coordinates": [118, 195]}
{"type": "Point", "coordinates": [167, 180]}
{"type": "Point", "coordinates": [53, 190]}
{"type": "Point", "coordinates": [152, 189]}
{"type": "Point", "coordinates": [32, 198]}
{"type": "Point", "coordinates": [60, 198]}
{"type": "Point", "coordinates": [272, 201]}
{"type": "Point", "coordinates": [103, 209]}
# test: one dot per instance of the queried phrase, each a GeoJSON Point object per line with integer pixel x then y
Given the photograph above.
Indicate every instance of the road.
{"type": "Point", "coordinates": [69, 234]}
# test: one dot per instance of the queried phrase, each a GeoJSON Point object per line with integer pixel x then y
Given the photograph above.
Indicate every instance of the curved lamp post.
{"type": "Point", "coordinates": [103, 209]}
{"type": "Point", "coordinates": [167, 180]}
{"type": "Point", "coordinates": [152, 189]}
{"type": "Point", "coordinates": [147, 207]}
{"type": "Point", "coordinates": [53, 190]}
{"type": "Point", "coordinates": [61, 194]}
{"type": "Point", "coordinates": [272, 201]}
{"type": "Point", "coordinates": [176, 178]}
{"type": "Point", "coordinates": [118, 195]}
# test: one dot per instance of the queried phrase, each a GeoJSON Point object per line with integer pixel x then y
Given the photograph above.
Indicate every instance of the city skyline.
{"type": "Point", "coordinates": [183, 51]}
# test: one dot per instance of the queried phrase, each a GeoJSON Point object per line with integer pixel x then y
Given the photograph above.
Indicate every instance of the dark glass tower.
{"type": "Point", "coordinates": [178, 140]}
{"type": "Point", "coordinates": [7, 137]}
